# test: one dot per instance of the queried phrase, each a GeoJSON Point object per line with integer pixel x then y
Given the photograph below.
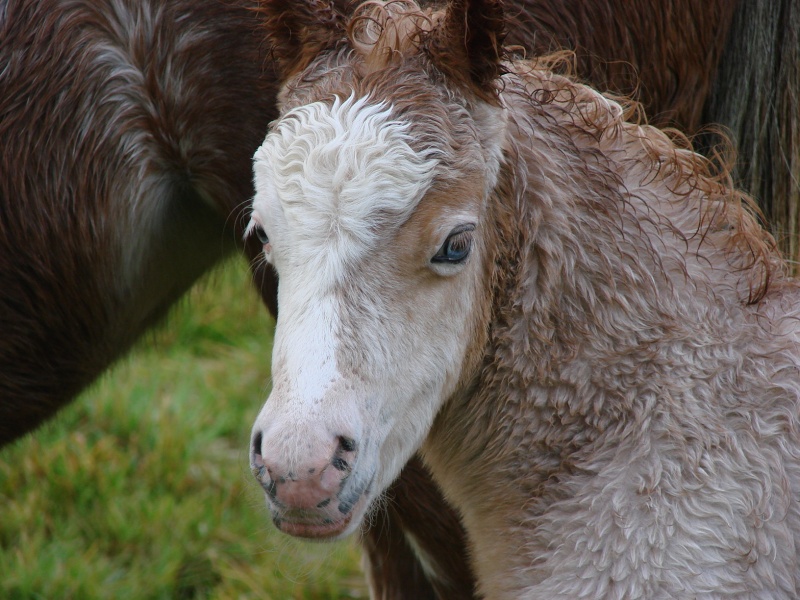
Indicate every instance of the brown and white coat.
{"type": "Point", "coordinates": [578, 321]}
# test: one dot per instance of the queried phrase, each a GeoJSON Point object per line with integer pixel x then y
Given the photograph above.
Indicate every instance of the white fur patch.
{"type": "Point", "coordinates": [329, 178]}
{"type": "Point", "coordinates": [334, 173]}
{"type": "Point", "coordinates": [311, 372]}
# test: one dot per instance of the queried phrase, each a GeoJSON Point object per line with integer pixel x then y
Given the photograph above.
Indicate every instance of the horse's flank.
{"type": "Point", "coordinates": [125, 151]}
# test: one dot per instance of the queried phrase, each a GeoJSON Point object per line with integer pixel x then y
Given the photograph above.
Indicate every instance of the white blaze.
{"type": "Point", "coordinates": [329, 178]}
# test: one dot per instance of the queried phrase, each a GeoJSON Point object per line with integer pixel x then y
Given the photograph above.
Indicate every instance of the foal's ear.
{"type": "Point", "coordinates": [298, 30]}
{"type": "Point", "coordinates": [468, 45]}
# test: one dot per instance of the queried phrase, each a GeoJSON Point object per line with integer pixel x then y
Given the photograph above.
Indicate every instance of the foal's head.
{"type": "Point", "coordinates": [371, 190]}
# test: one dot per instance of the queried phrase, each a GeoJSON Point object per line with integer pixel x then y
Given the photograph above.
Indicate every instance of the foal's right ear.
{"type": "Point", "coordinates": [298, 30]}
{"type": "Point", "coordinates": [468, 45]}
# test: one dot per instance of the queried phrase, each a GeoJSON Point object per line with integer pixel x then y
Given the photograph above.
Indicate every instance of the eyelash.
{"type": "Point", "coordinates": [456, 248]}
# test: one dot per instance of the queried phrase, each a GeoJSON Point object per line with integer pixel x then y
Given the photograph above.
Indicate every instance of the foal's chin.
{"type": "Point", "coordinates": [299, 510]}
{"type": "Point", "coordinates": [321, 525]}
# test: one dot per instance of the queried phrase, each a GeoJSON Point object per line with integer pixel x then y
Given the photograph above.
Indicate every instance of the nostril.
{"type": "Point", "coordinates": [257, 459]}
{"type": "Point", "coordinates": [347, 444]}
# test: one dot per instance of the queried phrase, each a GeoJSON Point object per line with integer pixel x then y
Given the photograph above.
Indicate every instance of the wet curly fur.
{"type": "Point", "coordinates": [630, 427]}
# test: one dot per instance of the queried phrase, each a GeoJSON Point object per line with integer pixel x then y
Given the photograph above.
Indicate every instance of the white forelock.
{"type": "Point", "coordinates": [337, 171]}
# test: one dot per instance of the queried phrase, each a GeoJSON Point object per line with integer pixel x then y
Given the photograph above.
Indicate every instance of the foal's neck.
{"type": "Point", "coordinates": [616, 260]}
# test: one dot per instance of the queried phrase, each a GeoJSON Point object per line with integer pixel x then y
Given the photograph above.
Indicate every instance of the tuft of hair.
{"type": "Point", "coordinates": [464, 40]}
{"type": "Point", "coordinates": [299, 30]}
{"type": "Point", "coordinates": [383, 32]}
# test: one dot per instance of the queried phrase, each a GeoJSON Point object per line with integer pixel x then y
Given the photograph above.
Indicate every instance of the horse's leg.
{"type": "Point", "coordinates": [415, 546]}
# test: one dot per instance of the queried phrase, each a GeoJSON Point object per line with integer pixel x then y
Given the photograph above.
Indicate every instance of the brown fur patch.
{"type": "Point", "coordinates": [299, 30]}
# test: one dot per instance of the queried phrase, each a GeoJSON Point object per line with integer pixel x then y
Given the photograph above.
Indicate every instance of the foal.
{"type": "Point", "coordinates": [587, 334]}
{"type": "Point", "coordinates": [127, 130]}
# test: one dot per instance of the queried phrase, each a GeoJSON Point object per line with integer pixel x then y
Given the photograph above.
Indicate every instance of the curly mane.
{"type": "Point", "coordinates": [703, 184]}
{"type": "Point", "coordinates": [386, 31]}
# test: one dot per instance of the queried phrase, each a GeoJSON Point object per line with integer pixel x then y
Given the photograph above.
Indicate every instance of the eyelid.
{"type": "Point", "coordinates": [457, 234]}
{"type": "Point", "coordinates": [251, 226]}
{"type": "Point", "coordinates": [261, 234]}
{"type": "Point", "coordinates": [461, 229]}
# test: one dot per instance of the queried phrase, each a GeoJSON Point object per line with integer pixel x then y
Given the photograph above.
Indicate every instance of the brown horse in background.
{"type": "Point", "coordinates": [128, 129]}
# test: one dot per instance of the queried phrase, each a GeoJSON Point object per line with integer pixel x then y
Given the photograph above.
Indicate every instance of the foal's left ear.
{"type": "Point", "coordinates": [468, 45]}
{"type": "Point", "coordinates": [298, 30]}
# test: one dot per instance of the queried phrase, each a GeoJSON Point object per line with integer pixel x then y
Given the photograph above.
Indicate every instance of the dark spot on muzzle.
{"type": "Point", "coordinates": [347, 444]}
{"type": "Point", "coordinates": [346, 506]}
{"type": "Point", "coordinates": [271, 488]}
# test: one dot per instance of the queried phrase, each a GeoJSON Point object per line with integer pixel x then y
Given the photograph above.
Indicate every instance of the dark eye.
{"type": "Point", "coordinates": [456, 247]}
{"type": "Point", "coordinates": [261, 235]}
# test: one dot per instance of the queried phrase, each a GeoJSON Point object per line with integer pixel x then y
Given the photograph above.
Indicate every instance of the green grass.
{"type": "Point", "coordinates": [141, 489]}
